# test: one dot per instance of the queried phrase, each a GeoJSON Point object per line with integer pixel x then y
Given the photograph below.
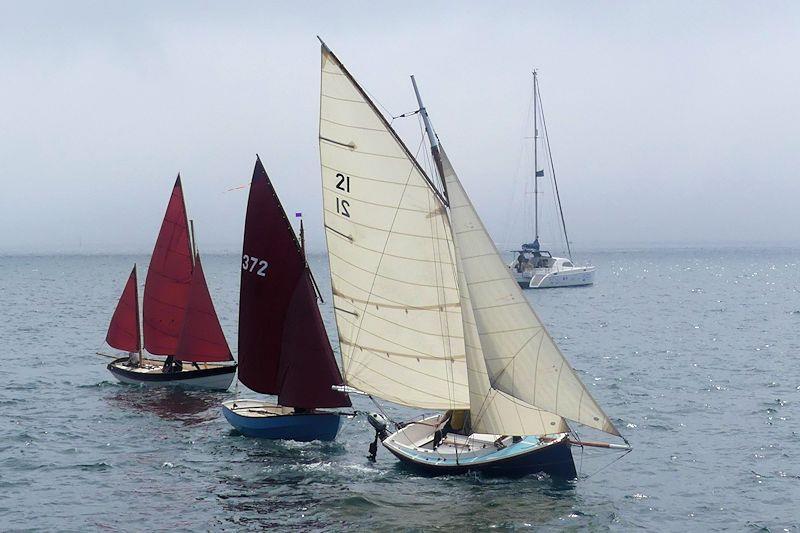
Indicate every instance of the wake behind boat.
{"type": "Point", "coordinates": [428, 315]}
{"type": "Point", "coordinates": [283, 346]}
{"type": "Point", "coordinates": [180, 321]}
{"type": "Point", "coordinates": [534, 268]}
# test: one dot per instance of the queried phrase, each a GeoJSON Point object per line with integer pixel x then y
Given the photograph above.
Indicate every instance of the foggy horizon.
{"type": "Point", "coordinates": [670, 124]}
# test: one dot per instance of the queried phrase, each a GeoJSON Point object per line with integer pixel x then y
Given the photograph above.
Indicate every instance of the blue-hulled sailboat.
{"type": "Point", "coordinates": [283, 347]}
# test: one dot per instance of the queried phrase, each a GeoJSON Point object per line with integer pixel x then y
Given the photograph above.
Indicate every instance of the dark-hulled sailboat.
{"type": "Point", "coordinates": [180, 322]}
{"type": "Point", "coordinates": [283, 347]}
{"type": "Point", "coordinates": [428, 315]}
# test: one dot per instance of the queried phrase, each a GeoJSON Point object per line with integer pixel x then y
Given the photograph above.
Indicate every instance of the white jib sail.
{"type": "Point", "coordinates": [395, 293]}
{"type": "Point", "coordinates": [492, 411]}
{"type": "Point", "coordinates": [521, 358]}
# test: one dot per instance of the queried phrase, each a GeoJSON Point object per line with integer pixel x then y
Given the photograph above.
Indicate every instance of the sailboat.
{"type": "Point", "coordinates": [428, 315]}
{"type": "Point", "coordinates": [533, 267]}
{"type": "Point", "coordinates": [283, 346]}
{"type": "Point", "coordinates": [180, 321]}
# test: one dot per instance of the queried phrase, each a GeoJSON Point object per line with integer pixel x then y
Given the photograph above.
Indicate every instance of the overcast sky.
{"type": "Point", "coordinates": [670, 122]}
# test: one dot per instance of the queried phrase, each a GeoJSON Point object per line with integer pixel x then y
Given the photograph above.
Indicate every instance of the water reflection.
{"type": "Point", "coordinates": [170, 403]}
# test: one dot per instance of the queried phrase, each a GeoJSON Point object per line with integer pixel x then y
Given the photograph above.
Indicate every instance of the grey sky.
{"type": "Point", "coordinates": [670, 121]}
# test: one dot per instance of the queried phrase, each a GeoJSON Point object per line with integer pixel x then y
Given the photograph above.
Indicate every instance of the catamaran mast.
{"type": "Point", "coordinates": [535, 161]}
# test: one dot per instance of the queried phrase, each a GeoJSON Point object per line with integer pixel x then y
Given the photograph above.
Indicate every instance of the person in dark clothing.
{"type": "Point", "coordinates": [172, 365]}
{"type": "Point", "coordinates": [521, 261]}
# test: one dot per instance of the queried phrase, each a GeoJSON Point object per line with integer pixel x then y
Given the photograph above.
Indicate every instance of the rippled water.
{"type": "Point", "coordinates": [694, 354]}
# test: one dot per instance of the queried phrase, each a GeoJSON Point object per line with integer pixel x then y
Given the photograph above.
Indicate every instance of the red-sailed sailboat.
{"type": "Point", "coordinates": [283, 346]}
{"type": "Point", "coordinates": [180, 322]}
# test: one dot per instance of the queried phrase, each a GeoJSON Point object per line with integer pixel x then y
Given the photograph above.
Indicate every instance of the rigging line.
{"type": "Point", "coordinates": [444, 325]}
{"type": "Point", "coordinates": [404, 115]}
{"type": "Point", "coordinates": [609, 464]}
{"type": "Point", "coordinates": [553, 170]}
{"type": "Point", "coordinates": [381, 409]}
{"type": "Point", "coordinates": [449, 369]}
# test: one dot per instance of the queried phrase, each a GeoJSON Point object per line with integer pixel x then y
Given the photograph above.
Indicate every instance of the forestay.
{"type": "Point", "coordinates": [521, 358]}
{"type": "Point", "coordinates": [390, 249]}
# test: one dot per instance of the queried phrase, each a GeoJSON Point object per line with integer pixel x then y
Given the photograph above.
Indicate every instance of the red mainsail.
{"type": "Point", "coordinates": [201, 339]}
{"type": "Point", "coordinates": [123, 332]}
{"type": "Point", "coordinates": [166, 289]}
{"type": "Point", "coordinates": [283, 346]}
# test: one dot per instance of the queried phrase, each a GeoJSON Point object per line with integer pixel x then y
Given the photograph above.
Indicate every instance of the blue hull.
{"type": "Point", "coordinates": [299, 427]}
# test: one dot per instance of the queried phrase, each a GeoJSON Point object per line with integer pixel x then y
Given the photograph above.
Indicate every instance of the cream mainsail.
{"type": "Point", "coordinates": [521, 358]}
{"type": "Point", "coordinates": [393, 274]}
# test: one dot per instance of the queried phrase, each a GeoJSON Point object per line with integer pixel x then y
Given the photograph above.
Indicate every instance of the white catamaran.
{"type": "Point", "coordinates": [533, 267]}
{"type": "Point", "coordinates": [428, 315]}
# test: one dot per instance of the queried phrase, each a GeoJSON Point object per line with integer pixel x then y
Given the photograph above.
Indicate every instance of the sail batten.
{"type": "Point", "coordinates": [391, 255]}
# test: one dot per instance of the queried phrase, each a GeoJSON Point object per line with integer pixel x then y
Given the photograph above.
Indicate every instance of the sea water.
{"type": "Point", "coordinates": [692, 352]}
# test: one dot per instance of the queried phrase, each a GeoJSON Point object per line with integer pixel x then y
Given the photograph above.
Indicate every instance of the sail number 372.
{"type": "Point", "coordinates": [343, 184]}
{"type": "Point", "coordinates": [254, 264]}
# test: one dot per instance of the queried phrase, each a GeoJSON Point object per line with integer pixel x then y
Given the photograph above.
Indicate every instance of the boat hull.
{"type": "Point", "coordinates": [530, 455]}
{"type": "Point", "coordinates": [262, 420]}
{"type": "Point", "coordinates": [576, 277]}
{"type": "Point", "coordinates": [558, 272]}
{"type": "Point", "coordinates": [216, 377]}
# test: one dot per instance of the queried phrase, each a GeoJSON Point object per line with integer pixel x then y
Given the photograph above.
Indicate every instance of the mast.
{"type": "Point", "coordinates": [139, 327]}
{"type": "Point", "coordinates": [305, 258]}
{"type": "Point", "coordinates": [437, 157]}
{"type": "Point", "coordinates": [194, 242]}
{"type": "Point", "coordinates": [535, 159]}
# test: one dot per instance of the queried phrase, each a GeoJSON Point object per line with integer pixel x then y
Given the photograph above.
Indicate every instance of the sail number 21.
{"type": "Point", "coordinates": [250, 263]}
{"type": "Point", "coordinates": [343, 184]}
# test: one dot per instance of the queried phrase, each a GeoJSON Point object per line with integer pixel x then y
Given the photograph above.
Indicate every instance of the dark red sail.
{"type": "Point", "coordinates": [201, 339]}
{"type": "Point", "coordinates": [166, 290]}
{"type": "Point", "coordinates": [283, 346]}
{"type": "Point", "coordinates": [123, 332]}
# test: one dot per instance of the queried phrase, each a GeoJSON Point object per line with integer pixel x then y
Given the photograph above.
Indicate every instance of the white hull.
{"type": "Point", "coordinates": [573, 277]}
{"type": "Point", "coordinates": [211, 376]}
{"type": "Point", "coordinates": [560, 273]}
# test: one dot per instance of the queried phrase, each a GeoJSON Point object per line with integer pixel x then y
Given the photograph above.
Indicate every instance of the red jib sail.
{"type": "Point", "coordinates": [201, 339]}
{"type": "Point", "coordinates": [283, 346]}
{"type": "Point", "coordinates": [166, 290]}
{"type": "Point", "coordinates": [123, 332]}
